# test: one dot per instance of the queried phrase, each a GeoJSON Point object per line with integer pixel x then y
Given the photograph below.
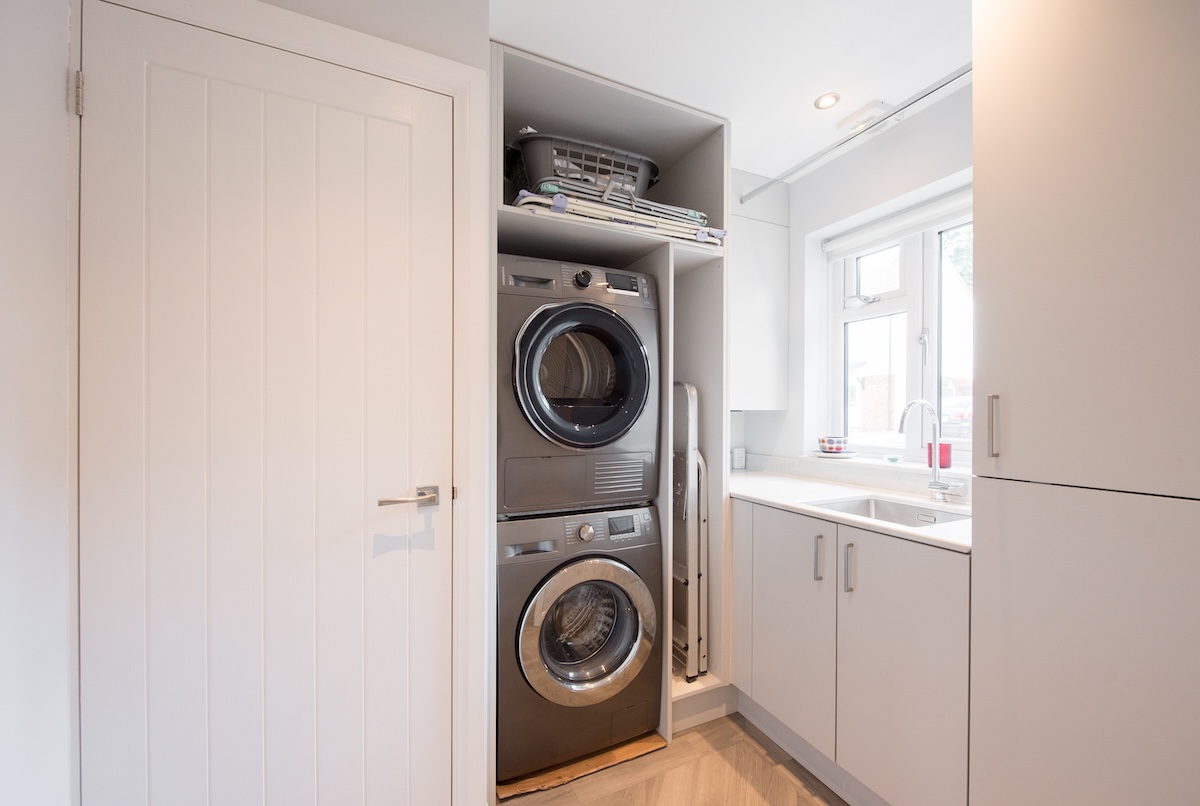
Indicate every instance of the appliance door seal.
{"type": "Point", "coordinates": [581, 374]}
{"type": "Point", "coordinates": [586, 632]}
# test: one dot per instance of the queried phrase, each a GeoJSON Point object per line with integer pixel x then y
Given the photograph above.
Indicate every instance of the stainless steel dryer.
{"type": "Point", "coordinates": [577, 387]}
{"type": "Point", "coordinates": [579, 646]}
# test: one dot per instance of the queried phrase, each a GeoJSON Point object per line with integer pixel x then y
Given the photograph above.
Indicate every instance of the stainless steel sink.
{"type": "Point", "coordinates": [892, 512]}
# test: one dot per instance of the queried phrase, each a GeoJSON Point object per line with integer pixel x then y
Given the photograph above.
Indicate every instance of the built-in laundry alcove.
{"type": "Point", "coordinates": [691, 152]}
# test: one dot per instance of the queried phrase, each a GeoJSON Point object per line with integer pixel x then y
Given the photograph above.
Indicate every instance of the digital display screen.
{"type": "Point", "coordinates": [623, 282]}
{"type": "Point", "coordinates": [620, 526]}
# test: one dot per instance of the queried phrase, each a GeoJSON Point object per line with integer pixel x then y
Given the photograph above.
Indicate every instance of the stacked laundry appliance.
{"type": "Point", "coordinates": [580, 600]}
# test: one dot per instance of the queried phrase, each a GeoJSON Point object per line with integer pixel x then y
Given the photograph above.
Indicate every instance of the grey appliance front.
{"type": "Point", "coordinates": [577, 394]}
{"type": "Point", "coordinates": [578, 635]}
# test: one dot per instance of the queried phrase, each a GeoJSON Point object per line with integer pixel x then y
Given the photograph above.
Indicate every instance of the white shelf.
{"type": "Point", "coordinates": [682, 689]}
{"type": "Point", "coordinates": [558, 237]}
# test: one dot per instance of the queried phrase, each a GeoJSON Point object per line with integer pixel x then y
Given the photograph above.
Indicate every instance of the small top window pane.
{"type": "Point", "coordinates": [879, 272]}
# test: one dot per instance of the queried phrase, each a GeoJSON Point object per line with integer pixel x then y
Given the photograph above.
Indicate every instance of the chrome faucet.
{"type": "Point", "coordinates": [938, 488]}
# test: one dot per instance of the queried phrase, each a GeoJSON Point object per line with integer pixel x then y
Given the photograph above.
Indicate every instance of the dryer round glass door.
{"type": "Point", "coordinates": [581, 374]}
{"type": "Point", "coordinates": [587, 631]}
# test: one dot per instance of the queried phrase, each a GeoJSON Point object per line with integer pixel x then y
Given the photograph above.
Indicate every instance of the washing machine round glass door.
{"type": "Point", "coordinates": [581, 374]}
{"type": "Point", "coordinates": [587, 631]}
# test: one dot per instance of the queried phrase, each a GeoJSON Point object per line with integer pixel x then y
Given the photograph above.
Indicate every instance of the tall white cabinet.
{"type": "Point", "coordinates": [1084, 658]}
{"type": "Point", "coordinates": [1083, 612]}
{"type": "Point", "coordinates": [1086, 288]}
{"type": "Point", "coordinates": [691, 150]}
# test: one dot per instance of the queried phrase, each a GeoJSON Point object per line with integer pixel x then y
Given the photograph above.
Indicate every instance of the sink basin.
{"type": "Point", "coordinates": [892, 512]}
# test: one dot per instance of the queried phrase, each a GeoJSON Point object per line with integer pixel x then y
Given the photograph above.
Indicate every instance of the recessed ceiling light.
{"type": "Point", "coordinates": [827, 100]}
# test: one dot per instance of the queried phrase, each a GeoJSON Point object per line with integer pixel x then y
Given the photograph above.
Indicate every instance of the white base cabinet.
{"type": "Point", "coordinates": [903, 624]}
{"type": "Point", "coordinates": [860, 644]}
{"type": "Point", "coordinates": [794, 632]}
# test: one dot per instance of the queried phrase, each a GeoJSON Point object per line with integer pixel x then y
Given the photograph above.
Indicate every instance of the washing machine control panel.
{"type": "Point", "coordinates": [611, 529]}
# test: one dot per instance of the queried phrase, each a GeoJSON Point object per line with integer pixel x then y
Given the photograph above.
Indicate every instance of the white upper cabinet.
{"type": "Point", "coordinates": [1086, 285]}
{"type": "Point", "coordinates": [759, 298]}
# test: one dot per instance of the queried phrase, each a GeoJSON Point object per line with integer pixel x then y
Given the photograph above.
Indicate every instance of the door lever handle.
{"type": "Point", "coordinates": [425, 497]}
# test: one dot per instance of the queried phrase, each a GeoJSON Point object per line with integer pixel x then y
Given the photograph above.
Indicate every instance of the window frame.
{"type": "Point", "coordinates": [933, 383]}
{"type": "Point", "coordinates": [919, 296]}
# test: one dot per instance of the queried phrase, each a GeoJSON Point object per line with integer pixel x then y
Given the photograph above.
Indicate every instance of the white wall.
{"type": "Point", "coordinates": [455, 29]}
{"type": "Point", "coordinates": [37, 601]}
{"type": "Point", "coordinates": [922, 157]}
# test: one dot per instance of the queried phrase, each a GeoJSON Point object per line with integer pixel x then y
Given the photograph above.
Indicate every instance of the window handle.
{"type": "Point", "coordinates": [865, 299]}
{"type": "Point", "coordinates": [923, 340]}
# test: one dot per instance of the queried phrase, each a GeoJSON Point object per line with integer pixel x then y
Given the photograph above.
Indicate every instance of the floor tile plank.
{"type": "Point", "coordinates": [725, 762]}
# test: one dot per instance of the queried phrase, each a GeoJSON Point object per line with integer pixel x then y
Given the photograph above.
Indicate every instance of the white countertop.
{"type": "Point", "coordinates": [798, 494]}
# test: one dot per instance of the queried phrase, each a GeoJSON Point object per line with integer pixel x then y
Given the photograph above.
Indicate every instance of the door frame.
{"type": "Point", "coordinates": [473, 582]}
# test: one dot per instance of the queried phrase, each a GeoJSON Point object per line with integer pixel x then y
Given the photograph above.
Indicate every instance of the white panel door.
{"type": "Point", "coordinates": [265, 334]}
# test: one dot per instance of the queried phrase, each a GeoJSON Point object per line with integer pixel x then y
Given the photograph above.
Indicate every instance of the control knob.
{"type": "Point", "coordinates": [583, 278]}
{"type": "Point", "coordinates": [586, 532]}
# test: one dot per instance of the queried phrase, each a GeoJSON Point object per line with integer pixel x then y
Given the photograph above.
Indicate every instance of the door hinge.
{"type": "Point", "coordinates": [453, 493]}
{"type": "Point", "coordinates": [79, 92]}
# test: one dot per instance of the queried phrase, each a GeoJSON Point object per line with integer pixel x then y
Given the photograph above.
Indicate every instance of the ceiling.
{"type": "Point", "coordinates": [758, 63]}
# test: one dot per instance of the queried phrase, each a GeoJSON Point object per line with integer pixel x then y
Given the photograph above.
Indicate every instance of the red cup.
{"type": "Point", "coordinates": [943, 454]}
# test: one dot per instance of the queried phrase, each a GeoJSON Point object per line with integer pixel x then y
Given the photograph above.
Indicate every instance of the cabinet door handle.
{"type": "Point", "coordinates": [818, 559]}
{"type": "Point", "coordinates": [991, 426]}
{"type": "Point", "coordinates": [849, 570]}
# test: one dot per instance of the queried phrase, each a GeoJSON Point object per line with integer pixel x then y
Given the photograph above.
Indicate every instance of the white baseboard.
{"type": "Point", "coordinates": [704, 706]}
{"type": "Point", "coordinates": [845, 785]}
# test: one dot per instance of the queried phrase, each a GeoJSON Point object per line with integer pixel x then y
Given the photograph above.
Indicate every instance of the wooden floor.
{"type": "Point", "coordinates": [726, 762]}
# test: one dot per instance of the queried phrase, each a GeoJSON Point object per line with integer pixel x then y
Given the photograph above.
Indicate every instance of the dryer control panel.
{"type": "Point", "coordinates": [535, 277]}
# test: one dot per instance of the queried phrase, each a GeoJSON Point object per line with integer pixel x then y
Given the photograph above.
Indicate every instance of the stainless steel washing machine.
{"type": "Point", "coordinates": [579, 636]}
{"type": "Point", "coordinates": [577, 397]}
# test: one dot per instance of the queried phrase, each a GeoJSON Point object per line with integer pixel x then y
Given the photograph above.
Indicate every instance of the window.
{"type": "Point", "coordinates": [902, 329]}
